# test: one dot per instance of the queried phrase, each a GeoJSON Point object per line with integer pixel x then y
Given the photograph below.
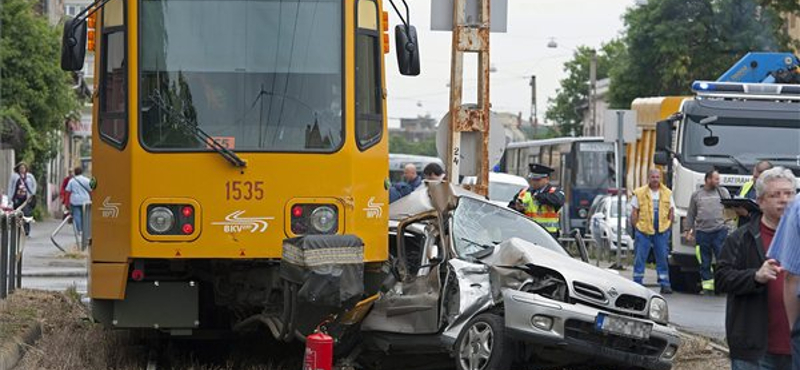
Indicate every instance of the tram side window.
{"type": "Point", "coordinates": [113, 124]}
{"type": "Point", "coordinates": [369, 120]}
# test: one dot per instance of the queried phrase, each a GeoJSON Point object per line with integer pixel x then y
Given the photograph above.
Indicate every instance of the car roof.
{"type": "Point", "coordinates": [507, 178]}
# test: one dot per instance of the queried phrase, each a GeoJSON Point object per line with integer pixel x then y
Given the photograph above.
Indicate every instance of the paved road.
{"type": "Point", "coordinates": [45, 267]}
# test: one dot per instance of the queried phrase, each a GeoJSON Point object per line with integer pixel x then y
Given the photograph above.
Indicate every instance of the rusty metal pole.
{"type": "Point", "coordinates": [456, 89]}
{"type": "Point", "coordinates": [474, 39]}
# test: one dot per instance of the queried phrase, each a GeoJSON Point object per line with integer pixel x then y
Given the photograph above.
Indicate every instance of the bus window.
{"type": "Point", "coordinates": [113, 124]}
{"type": "Point", "coordinates": [369, 121]}
{"type": "Point", "coordinates": [595, 166]}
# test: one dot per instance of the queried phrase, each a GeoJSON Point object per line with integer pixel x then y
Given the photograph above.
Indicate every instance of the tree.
{"type": "Point", "coordinates": [36, 94]}
{"type": "Point", "coordinates": [670, 43]}
{"type": "Point", "coordinates": [565, 109]}
{"type": "Point", "coordinates": [399, 145]}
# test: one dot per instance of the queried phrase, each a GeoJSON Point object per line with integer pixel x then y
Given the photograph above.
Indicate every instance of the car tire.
{"type": "Point", "coordinates": [483, 344]}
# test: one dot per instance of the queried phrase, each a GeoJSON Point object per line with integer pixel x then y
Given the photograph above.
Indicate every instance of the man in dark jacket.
{"type": "Point", "coordinates": [756, 324]}
{"type": "Point", "coordinates": [411, 181]}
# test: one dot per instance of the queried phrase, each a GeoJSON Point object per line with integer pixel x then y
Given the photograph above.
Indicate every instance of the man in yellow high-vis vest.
{"type": "Point", "coordinates": [541, 201]}
{"type": "Point", "coordinates": [653, 209]}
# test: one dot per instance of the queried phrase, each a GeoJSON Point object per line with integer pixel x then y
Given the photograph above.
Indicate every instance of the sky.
{"type": "Point", "coordinates": [516, 55]}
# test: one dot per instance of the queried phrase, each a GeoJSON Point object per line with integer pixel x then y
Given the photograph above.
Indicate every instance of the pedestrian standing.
{"type": "Point", "coordinates": [706, 224]}
{"type": "Point", "coordinates": [79, 192]}
{"type": "Point", "coordinates": [786, 250]}
{"type": "Point", "coordinates": [22, 192]}
{"type": "Point", "coordinates": [653, 210]}
{"type": "Point", "coordinates": [755, 322]}
{"type": "Point", "coordinates": [63, 192]}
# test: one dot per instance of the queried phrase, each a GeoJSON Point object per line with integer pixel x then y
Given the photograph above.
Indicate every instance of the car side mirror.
{"type": "Point", "coordinates": [407, 50]}
{"type": "Point", "coordinates": [73, 45]}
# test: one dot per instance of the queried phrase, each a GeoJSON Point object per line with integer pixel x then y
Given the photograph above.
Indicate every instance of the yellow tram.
{"type": "Point", "coordinates": [222, 128]}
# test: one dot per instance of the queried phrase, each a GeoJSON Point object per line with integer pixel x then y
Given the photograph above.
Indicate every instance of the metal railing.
{"type": "Point", "coordinates": [81, 239]}
{"type": "Point", "coordinates": [12, 245]}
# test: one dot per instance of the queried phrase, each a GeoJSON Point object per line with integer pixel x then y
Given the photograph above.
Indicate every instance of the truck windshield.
{"type": "Point", "coordinates": [257, 75]}
{"type": "Point", "coordinates": [748, 140]}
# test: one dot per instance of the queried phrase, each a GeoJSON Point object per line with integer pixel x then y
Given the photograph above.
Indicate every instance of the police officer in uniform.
{"type": "Point", "coordinates": [541, 201]}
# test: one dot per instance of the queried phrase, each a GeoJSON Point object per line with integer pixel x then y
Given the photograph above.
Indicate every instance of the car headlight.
{"type": "Point", "coordinates": [323, 219]}
{"type": "Point", "coordinates": [659, 312]}
{"type": "Point", "coordinates": [160, 219]}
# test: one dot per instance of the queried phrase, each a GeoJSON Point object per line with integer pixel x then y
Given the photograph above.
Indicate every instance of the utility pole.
{"type": "Point", "coordinates": [469, 38]}
{"type": "Point", "coordinates": [534, 112]}
{"type": "Point", "coordinates": [593, 93]}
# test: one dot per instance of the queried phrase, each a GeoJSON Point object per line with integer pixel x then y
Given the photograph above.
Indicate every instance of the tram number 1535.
{"type": "Point", "coordinates": [244, 190]}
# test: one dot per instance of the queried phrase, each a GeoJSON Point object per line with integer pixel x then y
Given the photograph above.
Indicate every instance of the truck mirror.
{"type": "Point", "coordinates": [73, 45]}
{"type": "Point", "coordinates": [711, 140]}
{"type": "Point", "coordinates": [407, 50]}
{"type": "Point", "coordinates": [661, 158]}
{"type": "Point", "coordinates": [663, 135]}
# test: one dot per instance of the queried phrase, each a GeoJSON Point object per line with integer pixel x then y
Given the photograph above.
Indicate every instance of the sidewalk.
{"type": "Point", "coordinates": [46, 267]}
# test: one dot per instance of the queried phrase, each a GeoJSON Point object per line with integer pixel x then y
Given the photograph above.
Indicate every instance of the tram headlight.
{"type": "Point", "coordinates": [323, 220]}
{"type": "Point", "coordinates": [160, 220]}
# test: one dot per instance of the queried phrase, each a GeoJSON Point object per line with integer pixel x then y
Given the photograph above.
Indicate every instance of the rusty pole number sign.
{"type": "Point", "coordinates": [469, 38]}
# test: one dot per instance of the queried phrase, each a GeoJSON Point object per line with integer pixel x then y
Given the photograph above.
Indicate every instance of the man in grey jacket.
{"type": "Point", "coordinates": [705, 224]}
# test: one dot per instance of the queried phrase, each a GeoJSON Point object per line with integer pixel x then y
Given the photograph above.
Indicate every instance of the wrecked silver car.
{"type": "Point", "coordinates": [495, 291]}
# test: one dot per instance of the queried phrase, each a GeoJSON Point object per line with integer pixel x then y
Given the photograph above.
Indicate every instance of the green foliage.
{"type": "Point", "coordinates": [36, 94]}
{"type": "Point", "coordinates": [399, 145]}
{"type": "Point", "coordinates": [670, 43]}
{"type": "Point", "coordinates": [565, 109]}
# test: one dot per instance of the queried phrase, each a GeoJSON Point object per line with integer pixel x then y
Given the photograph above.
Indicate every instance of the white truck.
{"type": "Point", "coordinates": [729, 127]}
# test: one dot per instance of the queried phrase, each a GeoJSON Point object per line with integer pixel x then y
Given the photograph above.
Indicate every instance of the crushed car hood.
{"type": "Point", "coordinates": [509, 260]}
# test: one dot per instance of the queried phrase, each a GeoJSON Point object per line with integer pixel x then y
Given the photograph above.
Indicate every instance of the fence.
{"type": "Point", "coordinates": [12, 245]}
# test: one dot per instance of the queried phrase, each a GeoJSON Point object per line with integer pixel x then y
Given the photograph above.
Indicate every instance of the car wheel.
{"type": "Point", "coordinates": [483, 345]}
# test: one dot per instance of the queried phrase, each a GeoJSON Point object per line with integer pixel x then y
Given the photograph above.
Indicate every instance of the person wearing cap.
{"type": "Point", "coordinates": [21, 187]}
{"type": "Point", "coordinates": [541, 201]}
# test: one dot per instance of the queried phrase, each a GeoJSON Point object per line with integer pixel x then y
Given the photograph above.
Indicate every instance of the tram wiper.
{"type": "Point", "coordinates": [194, 129]}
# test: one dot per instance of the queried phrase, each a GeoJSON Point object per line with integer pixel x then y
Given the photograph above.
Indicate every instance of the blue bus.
{"type": "Point", "coordinates": [584, 168]}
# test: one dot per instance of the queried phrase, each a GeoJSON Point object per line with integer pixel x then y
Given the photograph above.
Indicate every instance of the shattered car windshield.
{"type": "Point", "coordinates": [478, 225]}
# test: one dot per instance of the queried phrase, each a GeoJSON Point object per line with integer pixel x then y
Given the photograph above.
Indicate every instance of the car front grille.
{"type": "Point", "coordinates": [589, 291]}
{"type": "Point", "coordinates": [585, 331]}
{"type": "Point", "coordinates": [630, 302]}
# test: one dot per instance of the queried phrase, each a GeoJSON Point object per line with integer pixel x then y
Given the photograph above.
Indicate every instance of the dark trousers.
{"type": "Point", "coordinates": [796, 345]}
{"type": "Point", "coordinates": [710, 246]}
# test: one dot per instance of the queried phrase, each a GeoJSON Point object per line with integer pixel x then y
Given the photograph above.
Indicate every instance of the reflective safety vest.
{"type": "Point", "coordinates": [746, 189]}
{"type": "Point", "coordinates": [545, 215]}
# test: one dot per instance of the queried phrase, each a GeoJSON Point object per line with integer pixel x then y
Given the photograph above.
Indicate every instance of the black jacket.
{"type": "Point", "coordinates": [550, 195]}
{"type": "Point", "coordinates": [746, 322]}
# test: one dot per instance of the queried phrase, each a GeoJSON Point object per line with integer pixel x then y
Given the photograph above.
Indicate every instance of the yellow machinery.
{"type": "Point", "coordinates": [222, 128]}
{"type": "Point", "coordinates": [640, 153]}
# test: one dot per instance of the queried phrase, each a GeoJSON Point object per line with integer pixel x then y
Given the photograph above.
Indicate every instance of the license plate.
{"type": "Point", "coordinates": [623, 326]}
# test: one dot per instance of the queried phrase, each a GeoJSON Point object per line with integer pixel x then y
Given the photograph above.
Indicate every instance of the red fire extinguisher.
{"type": "Point", "coordinates": [319, 352]}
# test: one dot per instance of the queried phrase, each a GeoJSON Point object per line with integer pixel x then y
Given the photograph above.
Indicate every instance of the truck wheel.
{"type": "Point", "coordinates": [483, 345]}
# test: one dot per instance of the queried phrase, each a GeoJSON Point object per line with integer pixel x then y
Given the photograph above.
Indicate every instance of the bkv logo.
{"type": "Point", "coordinates": [109, 209]}
{"type": "Point", "coordinates": [373, 210]}
{"type": "Point", "coordinates": [234, 223]}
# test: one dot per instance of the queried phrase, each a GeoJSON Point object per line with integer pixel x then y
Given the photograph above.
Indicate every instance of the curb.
{"type": "Point", "coordinates": [55, 274]}
{"type": "Point", "coordinates": [13, 351]}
